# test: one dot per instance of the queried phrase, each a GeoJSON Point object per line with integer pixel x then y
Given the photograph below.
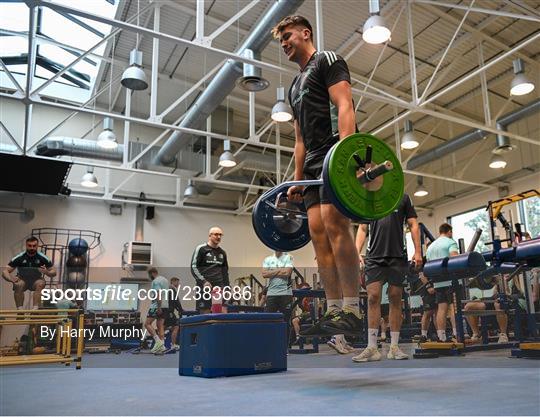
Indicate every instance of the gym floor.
{"type": "Point", "coordinates": [479, 383]}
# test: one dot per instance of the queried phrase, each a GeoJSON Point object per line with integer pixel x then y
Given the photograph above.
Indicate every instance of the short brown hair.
{"type": "Point", "coordinates": [152, 270]}
{"type": "Point", "coordinates": [292, 21]}
{"type": "Point", "coordinates": [445, 228]}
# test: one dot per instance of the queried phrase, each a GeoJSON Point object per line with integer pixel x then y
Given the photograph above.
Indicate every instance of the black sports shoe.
{"type": "Point", "coordinates": [346, 323]}
{"type": "Point", "coordinates": [317, 329]}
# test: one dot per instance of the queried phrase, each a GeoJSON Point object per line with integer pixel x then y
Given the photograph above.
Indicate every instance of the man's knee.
{"type": "Point", "coordinates": [19, 286]}
{"type": "Point", "coordinates": [39, 285]}
{"type": "Point", "coordinates": [374, 299]}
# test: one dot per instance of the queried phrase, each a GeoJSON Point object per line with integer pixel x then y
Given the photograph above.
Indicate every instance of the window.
{"type": "Point", "coordinates": [60, 38]}
{"type": "Point", "coordinates": [464, 225]}
{"type": "Point", "coordinates": [529, 211]}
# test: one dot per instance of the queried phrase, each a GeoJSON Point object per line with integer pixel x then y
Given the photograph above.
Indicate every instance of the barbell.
{"type": "Point", "coordinates": [362, 178]}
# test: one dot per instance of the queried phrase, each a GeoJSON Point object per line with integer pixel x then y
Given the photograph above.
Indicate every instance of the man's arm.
{"type": "Point", "coordinates": [414, 227]}
{"type": "Point", "coordinates": [341, 97]}
{"type": "Point", "coordinates": [361, 235]}
{"type": "Point", "coordinates": [299, 159]}
{"type": "Point", "coordinates": [226, 271]}
{"type": "Point", "coordinates": [195, 264]}
{"type": "Point", "coordinates": [50, 272]}
{"type": "Point", "coordinates": [299, 153]}
{"type": "Point", "coordinates": [6, 274]}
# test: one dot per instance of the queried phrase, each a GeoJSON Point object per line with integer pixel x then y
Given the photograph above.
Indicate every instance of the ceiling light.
{"type": "Point", "coordinates": [281, 112]}
{"type": "Point", "coordinates": [252, 79]}
{"type": "Point", "coordinates": [375, 29]}
{"type": "Point", "coordinates": [226, 160]}
{"type": "Point", "coordinates": [89, 179]}
{"type": "Point", "coordinates": [497, 162]}
{"type": "Point", "coordinates": [107, 138]}
{"type": "Point", "coordinates": [420, 191]}
{"type": "Point", "coordinates": [520, 84]}
{"type": "Point", "coordinates": [134, 77]}
{"type": "Point", "coordinates": [190, 191]}
{"type": "Point", "coordinates": [408, 141]}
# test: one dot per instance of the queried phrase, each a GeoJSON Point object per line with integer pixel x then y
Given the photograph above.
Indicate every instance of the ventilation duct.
{"type": "Point", "coordinates": [82, 148]}
{"type": "Point", "coordinates": [472, 136]}
{"type": "Point", "coordinates": [224, 81]}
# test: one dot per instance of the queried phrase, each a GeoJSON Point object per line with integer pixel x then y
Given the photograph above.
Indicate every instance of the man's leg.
{"type": "Point", "coordinates": [18, 293]}
{"type": "Point", "coordinates": [338, 230]}
{"type": "Point", "coordinates": [452, 315]}
{"type": "Point", "coordinates": [327, 271]}
{"type": "Point", "coordinates": [38, 287]}
{"type": "Point", "coordinates": [174, 335]}
{"type": "Point", "coordinates": [148, 326]}
{"type": "Point", "coordinates": [502, 320]}
{"type": "Point", "coordinates": [395, 292]}
{"type": "Point", "coordinates": [441, 298]}
{"type": "Point", "coordinates": [323, 252]}
{"type": "Point", "coordinates": [371, 353]}
{"type": "Point", "coordinates": [473, 320]}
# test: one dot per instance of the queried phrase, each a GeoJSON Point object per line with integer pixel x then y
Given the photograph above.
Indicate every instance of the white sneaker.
{"type": "Point", "coordinates": [175, 347]}
{"type": "Point", "coordinates": [475, 338]}
{"type": "Point", "coordinates": [396, 353]}
{"type": "Point", "coordinates": [158, 346]}
{"type": "Point", "coordinates": [369, 354]}
{"type": "Point", "coordinates": [339, 344]}
{"type": "Point", "coordinates": [503, 338]}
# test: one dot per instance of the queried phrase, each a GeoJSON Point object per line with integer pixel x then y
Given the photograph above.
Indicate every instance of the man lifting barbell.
{"type": "Point", "coordinates": [320, 96]}
{"type": "Point", "coordinates": [288, 216]}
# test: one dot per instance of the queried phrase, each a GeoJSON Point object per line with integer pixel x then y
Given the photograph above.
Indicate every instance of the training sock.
{"type": "Point", "coordinates": [424, 333]}
{"type": "Point", "coordinates": [333, 304]}
{"type": "Point", "coordinates": [156, 338]}
{"type": "Point", "coordinates": [372, 338]}
{"type": "Point", "coordinates": [394, 338]}
{"type": "Point", "coordinates": [441, 334]}
{"type": "Point", "coordinates": [350, 304]}
{"type": "Point", "coordinates": [35, 307]}
{"type": "Point", "coordinates": [19, 307]}
{"type": "Point", "coordinates": [454, 331]}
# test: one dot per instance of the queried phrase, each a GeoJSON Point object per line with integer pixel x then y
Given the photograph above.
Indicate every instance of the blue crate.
{"type": "Point", "coordinates": [213, 345]}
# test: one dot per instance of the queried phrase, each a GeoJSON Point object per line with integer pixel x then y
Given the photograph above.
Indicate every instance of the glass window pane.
{"type": "Point", "coordinates": [13, 45]}
{"type": "Point", "coordinates": [64, 30]}
{"type": "Point", "coordinates": [14, 16]}
{"type": "Point", "coordinates": [532, 216]}
{"type": "Point", "coordinates": [464, 225]}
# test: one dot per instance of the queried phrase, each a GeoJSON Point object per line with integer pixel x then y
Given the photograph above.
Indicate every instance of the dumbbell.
{"type": "Point", "coordinates": [362, 178]}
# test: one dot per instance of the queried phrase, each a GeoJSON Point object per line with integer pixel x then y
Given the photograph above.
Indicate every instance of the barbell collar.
{"type": "Point", "coordinates": [371, 173]}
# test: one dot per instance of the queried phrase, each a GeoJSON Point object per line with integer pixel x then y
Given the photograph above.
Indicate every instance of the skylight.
{"type": "Point", "coordinates": [61, 38]}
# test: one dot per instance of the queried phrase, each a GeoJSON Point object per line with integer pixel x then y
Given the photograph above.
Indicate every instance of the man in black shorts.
{"type": "Point", "coordinates": [209, 267]}
{"type": "Point", "coordinates": [429, 306]}
{"type": "Point", "coordinates": [174, 313]}
{"type": "Point", "coordinates": [386, 261]}
{"type": "Point", "coordinates": [323, 109]}
{"type": "Point", "coordinates": [31, 266]}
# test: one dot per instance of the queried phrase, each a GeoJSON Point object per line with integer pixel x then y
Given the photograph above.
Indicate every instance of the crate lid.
{"type": "Point", "coordinates": [240, 317]}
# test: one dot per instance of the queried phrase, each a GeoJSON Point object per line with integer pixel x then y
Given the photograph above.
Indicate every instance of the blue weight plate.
{"type": "Point", "coordinates": [279, 232]}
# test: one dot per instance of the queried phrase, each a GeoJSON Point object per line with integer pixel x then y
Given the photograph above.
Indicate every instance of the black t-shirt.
{"type": "Point", "coordinates": [27, 266]}
{"type": "Point", "coordinates": [311, 105]}
{"type": "Point", "coordinates": [386, 239]}
{"type": "Point", "coordinates": [210, 264]}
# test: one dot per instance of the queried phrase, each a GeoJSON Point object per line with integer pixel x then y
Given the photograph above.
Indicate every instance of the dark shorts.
{"type": "Point", "coordinates": [314, 194]}
{"type": "Point", "coordinates": [29, 283]}
{"type": "Point", "coordinates": [429, 302]}
{"type": "Point", "coordinates": [172, 318]}
{"type": "Point", "coordinates": [385, 310]}
{"type": "Point", "coordinates": [391, 270]}
{"type": "Point", "coordinates": [444, 295]}
{"type": "Point", "coordinates": [152, 313]}
{"type": "Point", "coordinates": [279, 304]}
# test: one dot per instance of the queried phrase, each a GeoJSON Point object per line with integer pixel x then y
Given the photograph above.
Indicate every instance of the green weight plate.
{"type": "Point", "coordinates": [340, 175]}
